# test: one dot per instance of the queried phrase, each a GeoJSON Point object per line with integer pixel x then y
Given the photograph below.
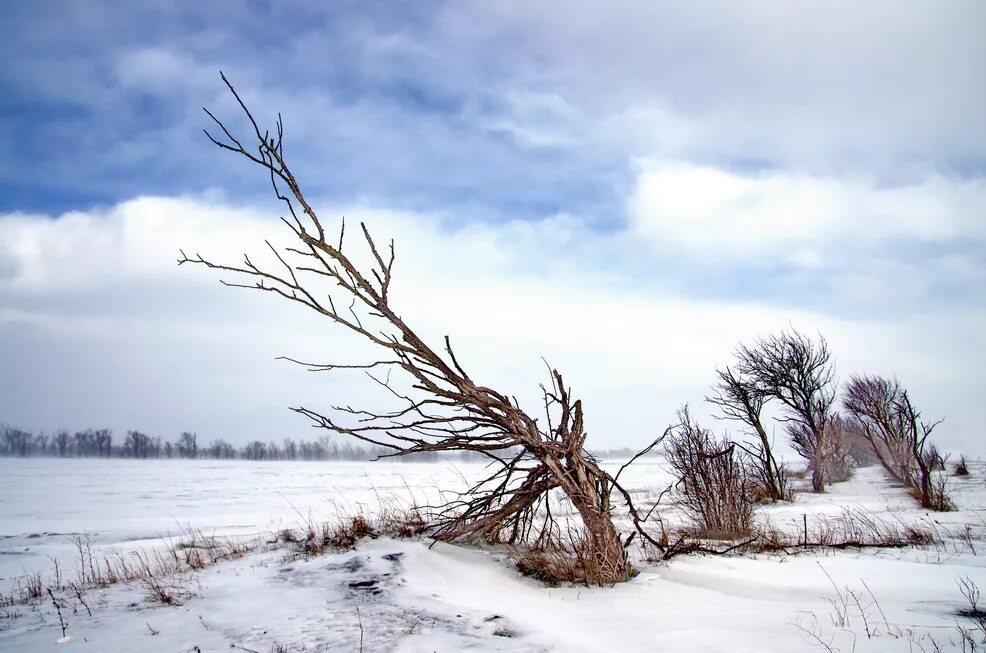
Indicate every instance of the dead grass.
{"type": "Point", "coordinates": [856, 616]}
{"type": "Point", "coordinates": [167, 575]}
{"type": "Point", "coordinates": [758, 492]}
{"type": "Point", "coordinates": [165, 579]}
{"type": "Point", "coordinates": [800, 473]}
{"type": "Point", "coordinates": [554, 563]}
{"type": "Point", "coordinates": [314, 539]}
{"type": "Point", "coordinates": [851, 529]}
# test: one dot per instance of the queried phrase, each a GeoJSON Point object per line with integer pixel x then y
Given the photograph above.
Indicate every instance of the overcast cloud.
{"type": "Point", "coordinates": [627, 191]}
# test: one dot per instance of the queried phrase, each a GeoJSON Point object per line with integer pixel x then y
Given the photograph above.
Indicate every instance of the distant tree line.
{"type": "Point", "coordinates": [100, 443]}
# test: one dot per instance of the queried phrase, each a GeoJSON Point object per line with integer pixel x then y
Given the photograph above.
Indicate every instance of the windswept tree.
{"type": "Point", "coordinates": [220, 449]}
{"type": "Point", "coordinates": [17, 442]}
{"type": "Point", "coordinates": [254, 450]}
{"type": "Point", "coordinates": [188, 445]}
{"type": "Point", "coordinates": [799, 373]}
{"type": "Point", "coordinates": [897, 435]}
{"type": "Point", "coordinates": [138, 445]}
{"type": "Point", "coordinates": [740, 399]}
{"type": "Point", "coordinates": [62, 442]}
{"type": "Point", "coordinates": [104, 442]}
{"type": "Point", "coordinates": [440, 407]}
{"type": "Point", "coordinates": [85, 442]}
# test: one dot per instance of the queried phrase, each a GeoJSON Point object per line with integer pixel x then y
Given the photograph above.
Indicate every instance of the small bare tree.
{"type": "Point", "coordinates": [897, 435]}
{"type": "Point", "coordinates": [797, 372]}
{"type": "Point", "coordinates": [711, 479]}
{"type": "Point", "coordinates": [441, 408]}
{"type": "Point", "coordinates": [740, 399]}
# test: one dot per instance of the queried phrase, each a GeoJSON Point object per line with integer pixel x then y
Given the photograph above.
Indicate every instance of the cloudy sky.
{"type": "Point", "coordinates": [626, 189]}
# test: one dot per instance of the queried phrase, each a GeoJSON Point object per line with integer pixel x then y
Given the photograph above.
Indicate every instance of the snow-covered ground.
{"type": "Point", "coordinates": [407, 595]}
{"type": "Point", "coordinates": [122, 504]}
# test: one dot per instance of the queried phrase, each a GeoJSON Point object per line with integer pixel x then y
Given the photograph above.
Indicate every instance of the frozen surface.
{"type": "Point", "coordinates": [407, 596]}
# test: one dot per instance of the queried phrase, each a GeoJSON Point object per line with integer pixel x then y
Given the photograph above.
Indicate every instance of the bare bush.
{"type": "Point", "coordinates": [898, 437]}
{"type": "Point", "coordinates": [961, 468]}
{"type": "Point", "coordinates": [711, 479]}
{"type": "Point", "coordinates": [798, 372]}
{"type": "Point", "coordinates": [972, 636]}
{"type": "Point", "coordinates": [934, 459]}
{"type": "Point", "coordinates": [936, 495]}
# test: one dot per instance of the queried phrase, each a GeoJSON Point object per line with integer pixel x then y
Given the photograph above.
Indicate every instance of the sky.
{"type": "Point", "coordinates": [625, 190]}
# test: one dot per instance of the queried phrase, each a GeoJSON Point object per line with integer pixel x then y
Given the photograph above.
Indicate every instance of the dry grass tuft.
{"type": "Point", "coordinates": [315, 539]}
{"type": "Point", "coordinates": [167, 574]}
{"type": "Point", "coordinates": [570, 563]}
{"type": "Point", "coordinates": [34, 587]}
{"type": "Point", "coordinates": [402, 523]}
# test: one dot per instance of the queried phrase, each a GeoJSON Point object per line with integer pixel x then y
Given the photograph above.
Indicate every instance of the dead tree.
{"type": "Point", "coordinates": [898, 437]}
{"type": "Point", "coordinates": [798, 372]}
{"type": "Point", "coordinates": [439, 407]}
{"type": "Point", "coordinates": [739, 399]}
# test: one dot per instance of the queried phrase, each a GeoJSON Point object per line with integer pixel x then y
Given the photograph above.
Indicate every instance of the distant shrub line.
{"type": "Point", "coordinates": [99, 443]}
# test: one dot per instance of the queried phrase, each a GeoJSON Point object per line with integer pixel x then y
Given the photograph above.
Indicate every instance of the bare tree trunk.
{"type": "Point", "coordinates": [818, 476]}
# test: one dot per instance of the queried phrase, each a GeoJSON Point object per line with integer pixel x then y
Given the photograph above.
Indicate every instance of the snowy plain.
{"type": "Point", "coordinates": [414, 595]}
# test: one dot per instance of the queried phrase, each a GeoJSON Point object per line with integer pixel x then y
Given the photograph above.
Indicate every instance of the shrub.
{"type": "Point", "coordinates": [712, 480]}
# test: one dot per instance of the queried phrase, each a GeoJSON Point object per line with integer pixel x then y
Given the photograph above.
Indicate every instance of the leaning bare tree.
{"type": "Point", "coordinates": [798, 372]}
{"type": "Point", "coordinates": [897, 435]}
{"type": "Point", "coordinates": [440, 407]}
{"type": "Point", "coordinates": [740, 399]}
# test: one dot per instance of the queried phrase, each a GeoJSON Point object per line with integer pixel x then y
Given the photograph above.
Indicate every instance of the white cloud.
{"type": "Point", "coordinates": [161, 70]}
{"type": "Point", "coordinates": [831, 85]}
{"type": "Point", "coordinates": [808, 220]}
{"type": "Point", "coordinates": [99, 325]}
